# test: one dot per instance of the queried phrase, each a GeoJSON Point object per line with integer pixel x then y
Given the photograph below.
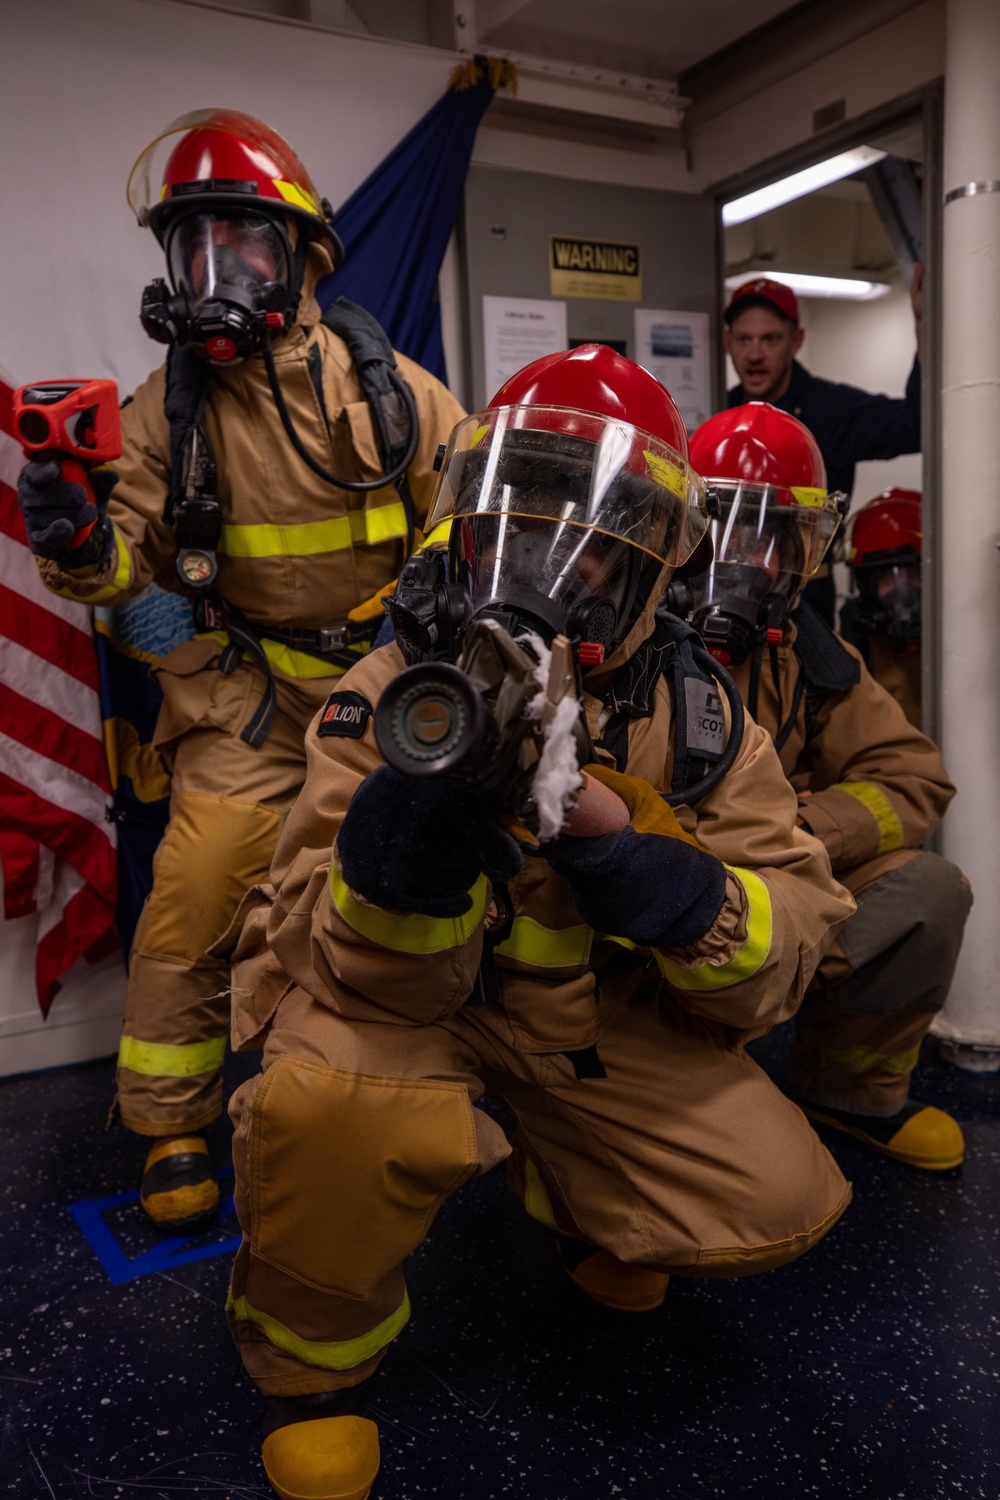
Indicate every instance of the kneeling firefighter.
{"type": "Point", "coordinates": [870, 786]}
{"type": "Point", "coordinates": [419, 945]}
{"type": "Point", "coordinates": [280, 464]}
{"type": "Point", "coordinates": [882, 615]}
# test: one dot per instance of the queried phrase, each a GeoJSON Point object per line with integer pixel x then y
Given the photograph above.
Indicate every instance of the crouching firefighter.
{"type": "Point", "coordinates": [881, 616]}
{"type": "Point", "coordinates": [279, 465]}
{"type": "Point", "coordinates": [870, 786]}
{"type": "Point", "coordinates": [426, 938]}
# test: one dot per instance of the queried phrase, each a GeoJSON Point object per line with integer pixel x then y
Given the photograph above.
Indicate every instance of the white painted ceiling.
{"type": "Point", "coordinates": [647, 38]}
{"type": "Point", "coordinates": [656, 38]}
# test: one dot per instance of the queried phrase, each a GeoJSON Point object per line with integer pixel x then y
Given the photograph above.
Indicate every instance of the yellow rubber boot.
{"type": "Point", "coordinates": [918, 1134]}
{"type": "Point", "coordinates": [178, 1192]}
{"type": "Point", "coordinates": [616, 1284]}
{"type": "Point", "coordinates": [329, 1458]}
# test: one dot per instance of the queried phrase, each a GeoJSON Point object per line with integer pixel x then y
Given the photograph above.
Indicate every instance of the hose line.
{"type": "Point", "coordinates": [699, 789]}
{"type": "Point", "coordinates": [363, 486]}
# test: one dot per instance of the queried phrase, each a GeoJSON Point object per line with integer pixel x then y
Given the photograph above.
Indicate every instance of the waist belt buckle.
{"type": "Point", "coordinates": [333, 637]}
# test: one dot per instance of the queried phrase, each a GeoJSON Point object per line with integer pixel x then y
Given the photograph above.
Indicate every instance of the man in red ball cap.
{"type": "Point", "coordinates": [762, 336]}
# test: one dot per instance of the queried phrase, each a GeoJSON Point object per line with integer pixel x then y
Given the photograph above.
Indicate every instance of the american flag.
{"type": "Point", "coordinates": [57, 849]}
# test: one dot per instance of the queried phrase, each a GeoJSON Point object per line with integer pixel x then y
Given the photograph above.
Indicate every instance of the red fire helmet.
{"type": "Point", "coordinates": [226, 159]}
{"type": "Point", "coordinates": [888, 524]}
{"type": "Point", "coordinates": [595, 379]}
{"type": "Point", "coordinates": [758, 444]}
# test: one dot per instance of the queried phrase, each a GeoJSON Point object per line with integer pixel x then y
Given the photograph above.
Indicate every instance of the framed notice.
{"type": "Point", "coordinates": [517, 330]}
{"type": "Point", "coordinates": [608, 269]}
{"type": "Point", "coordinates": [673, 346]}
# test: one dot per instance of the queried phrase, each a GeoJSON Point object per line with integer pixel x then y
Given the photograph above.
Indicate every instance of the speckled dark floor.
{"type": "Point", "coordinates": [869, 1370]}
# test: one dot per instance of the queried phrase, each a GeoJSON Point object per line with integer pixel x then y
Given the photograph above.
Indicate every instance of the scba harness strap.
{"type": "Point", "coordinates": [700, 737]}
{"type": "Point", "coordinates": [825, 662]}
{"type": "Point", "coordinates": [194, 511]}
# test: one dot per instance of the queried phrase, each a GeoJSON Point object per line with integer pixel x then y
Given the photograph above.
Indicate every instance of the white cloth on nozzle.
{"type": "Point", "coordinates": [558, 775]}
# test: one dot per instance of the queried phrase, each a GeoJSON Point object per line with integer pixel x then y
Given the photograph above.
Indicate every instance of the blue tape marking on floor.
{"type": "Point", "coordinates": [169, 1250]}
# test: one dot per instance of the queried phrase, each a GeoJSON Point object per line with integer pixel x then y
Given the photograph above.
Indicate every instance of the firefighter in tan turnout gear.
{"type": "Point", "coordinates": [410, 954]}
{"type": "Point", "coordinates": [881, 617]}
{"type": "Point", "coordinates": [871, 787]}
{"type": "Point", "coordinates": [289, 552]}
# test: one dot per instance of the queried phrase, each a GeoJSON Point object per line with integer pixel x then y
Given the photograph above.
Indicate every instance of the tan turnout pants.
{"type": "Point", "coordinates": [879, 987]}
{"type": "Point", "coordinates": [685, 1158]}
{"type": "Point", "coordinates": [226, 806]}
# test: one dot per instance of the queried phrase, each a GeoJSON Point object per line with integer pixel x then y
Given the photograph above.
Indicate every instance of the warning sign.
{"type": "Point", "coordinates": [594, 268]}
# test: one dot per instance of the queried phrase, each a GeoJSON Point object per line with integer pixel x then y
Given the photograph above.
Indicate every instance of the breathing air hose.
{"type": "Point", "coordinates": [699, 789]}
{"type": "Point", "coordinates": [363, 486]}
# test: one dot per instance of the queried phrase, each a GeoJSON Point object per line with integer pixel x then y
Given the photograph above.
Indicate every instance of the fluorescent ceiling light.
{"type": "Point", "coordinates": [776, 193]}
{"type": "Point", "coordinates": [817, 286]}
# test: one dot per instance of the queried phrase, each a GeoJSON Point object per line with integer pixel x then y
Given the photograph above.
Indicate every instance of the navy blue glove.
{"type": "Point", "coordinates": [408, 844]}
{"type": "Point", "coordinates": [54, 510]}
{"type": "Point", "coordinates": [647, 887]}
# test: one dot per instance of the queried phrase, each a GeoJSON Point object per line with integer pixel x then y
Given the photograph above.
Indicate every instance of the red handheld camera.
{"type": "Point", "coordinates": [76, 422]}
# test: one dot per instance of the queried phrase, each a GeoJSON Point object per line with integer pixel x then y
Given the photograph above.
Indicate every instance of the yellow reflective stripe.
{"type": "Point", "coordinates": [384, 523]}
{"type": "Point", "coordinates": [864, 1060]}
{"type": "Point", "coordinates": [546, 947]}
{"type": "Point", "coordinates": [360, 528]}
{"type": "Point", "coordinates": [296, 196]}
{"type": "Point", "coordinates": [890, 829]}
{"type": "Point", "coordinates": [340, 1354]}
{"type": "Point", "coordinates": [440, 535]}
{"type": "Point", "coordinates": [285, 659]}
{"type": "Point", "coordinates": [536, 1196]}
{"type": "Point", "coordinates": [745, 963]}
{"type": "Point", "coordinates": [161, 1060]}
{"type": "Point", "coordinates": [409, 932]}
{"type": "Point", "coordinates": [118, 584]}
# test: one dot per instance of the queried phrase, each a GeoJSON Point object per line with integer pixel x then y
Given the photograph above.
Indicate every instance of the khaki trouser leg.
{"type": "Point", "coordinates": [177, 1003]}
{"type": "Point", "coordinates": [340, 1170]}
{"type": "Point", "coordinates": [858, 1033]}
{"type": "Point", "coordinates": [227, 803]}
{"type": "Point", "coordinates": [685, 1159]}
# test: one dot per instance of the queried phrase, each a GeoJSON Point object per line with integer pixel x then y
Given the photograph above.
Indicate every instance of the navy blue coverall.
{"type": "Point", "coordinates": [850, 427]}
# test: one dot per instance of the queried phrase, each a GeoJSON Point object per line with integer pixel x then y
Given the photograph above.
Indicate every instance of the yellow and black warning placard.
{"type": "Point", "coordinates": [594, 268]}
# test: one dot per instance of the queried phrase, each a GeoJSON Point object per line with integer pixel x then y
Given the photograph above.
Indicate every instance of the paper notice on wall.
{"type": "Point", "coordinates": [517, 330]}
{"type": "Point", "coordinates": [673, 346]}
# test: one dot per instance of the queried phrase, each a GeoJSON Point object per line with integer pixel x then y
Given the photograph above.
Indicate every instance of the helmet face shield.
{"type": "Point", "coordinates": [565, 506]}
{"type": "Point", "coordinates": [209, 250]}
{"type": "Point", "coordinates": [767, 541]}
{"type": "Point", "coordinates": [781, 531]}
{"type": "Point", "coordinates": [578, 470]}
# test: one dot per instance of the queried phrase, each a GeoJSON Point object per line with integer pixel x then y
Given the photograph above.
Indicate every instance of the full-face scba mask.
{"type": "Point", "coordinates": [226, 269]}
{"type": "Point", "coordinates": [768, 541]}
{"type": "Point", "coordinates": [562, 522]}
{"type": "Point", "coordinates": [890, 599]}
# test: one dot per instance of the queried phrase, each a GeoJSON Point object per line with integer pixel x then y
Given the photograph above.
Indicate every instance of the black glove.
{"type": "Point", "coordinates": [416, 845]}
{"type": "Point", "coordinates": [55, 510]}
{"type": "Point", "coordinates": [647, 887]}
